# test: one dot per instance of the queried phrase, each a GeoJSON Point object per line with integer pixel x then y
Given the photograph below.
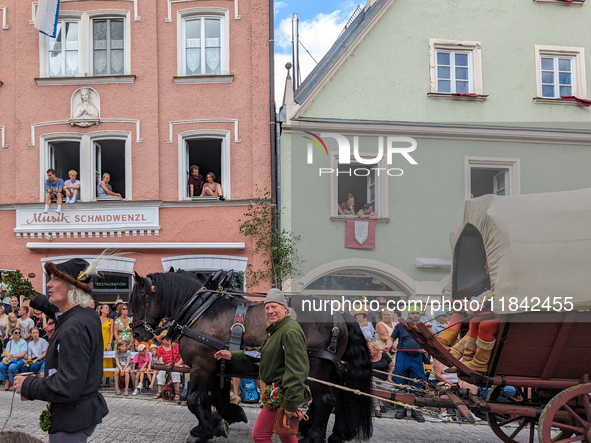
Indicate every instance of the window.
{"type": "Point", "coordinates": [366, 183]}
{"type": "Point", "coordinates": [62, 51]}
{"type": "Point", "coordinates": [498, 176]}
{"type": "Point", "coordinates": [456, 68]}
{"type": "Point", "coordinates": [87, 45]}
{"type": "Point", "coordinates": [210, 152]}
{"type": "Point", "coordinates": [108, 53]}
{"type": "Point", "coordinates": [453, 72]}
{"type": "Point", "coordinates": [91, 156]}
{"type": "Point", "coordinates": [202, 45]}
{"type": "Point", "coordinates": [560, 72]}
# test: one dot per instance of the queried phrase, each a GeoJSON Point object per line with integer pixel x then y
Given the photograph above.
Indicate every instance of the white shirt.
{"type": "Point", "coordinates": [37, 349]}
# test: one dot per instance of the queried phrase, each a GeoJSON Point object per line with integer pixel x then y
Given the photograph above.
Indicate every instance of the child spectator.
{"type": "Point", "coordinates": [154, 356]}
{"type": "Point", "coordinates": [141, 363]}
{"type": "Point", "coordinates": [122, 364]}
{"type": "Point", "coordinates": [11, 324]}
{"type": "Point", "coordinates": [380, 361]}
{"type": "Point", "coordinates": [26, 323]}
{"type": "Point", "coordinates": [72, 187]}
{"type": "Point", "coordinates": [168, 354]}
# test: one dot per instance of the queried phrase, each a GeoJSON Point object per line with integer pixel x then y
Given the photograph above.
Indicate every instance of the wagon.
{"type": "Point", "coordinates": [538, 251]}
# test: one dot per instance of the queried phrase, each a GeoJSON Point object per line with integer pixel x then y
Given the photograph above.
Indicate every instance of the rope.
{"type": "Point", "coordinates": [401, 386]}
{"type": "Point", "coordinates": [358, 392]}
{"type": "Point", "coordinates": [416, 380]}
{"type": "Point", "coordinates": [11, 405]}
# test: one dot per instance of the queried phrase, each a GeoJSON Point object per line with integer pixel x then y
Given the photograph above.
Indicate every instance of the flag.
{"type": "Point", "coordinates": [46, 18]}
{"type": "Point", "coordinates": [360, 234]}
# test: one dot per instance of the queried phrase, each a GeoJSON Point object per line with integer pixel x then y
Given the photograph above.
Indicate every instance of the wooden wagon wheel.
{"type": "Point", "coordinates": [569, 411]}
{"type": "Point", "coordinates": [511, 428]}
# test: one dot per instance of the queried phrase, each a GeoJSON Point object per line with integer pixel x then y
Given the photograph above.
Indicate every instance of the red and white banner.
{"type": "Point", "coordinates": [361, 234]}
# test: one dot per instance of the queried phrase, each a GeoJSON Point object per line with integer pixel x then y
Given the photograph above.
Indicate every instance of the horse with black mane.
{"type": "Point", "coordinates": [208, 329]}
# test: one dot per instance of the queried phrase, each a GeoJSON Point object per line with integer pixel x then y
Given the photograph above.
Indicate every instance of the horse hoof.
{"type": "Point", "coordinates": [223, 429]}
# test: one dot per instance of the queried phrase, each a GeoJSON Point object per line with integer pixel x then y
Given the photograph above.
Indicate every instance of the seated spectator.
{"type": "Point", "coordinates": [122, 365]}
{"type": "Point", "coordinates": [72, 187]}
{"type": "Point", "coordinates": [13, 306]}
{"type": "Point", "coordinates": [154, 357]}
{"type": "Point", "coordinates": [380, 361]}
{"type": "Point", "coordinates": [37, 350]}
{"type": "Point", "coordinates": [14, 358]}
{"type": "Point", "coordinates": [104, 189]}
{"type": "Point", "coordinates": [168, 354]}
{"type": "Point", "coordinates": [141, 363]}
{"type": "Point", "coordinates": [54, 187]}
{"type": "Point", "coordinates": [195, 182]}
{"type": "Point", "coordinates": [11, 324]}
{"type": "Point", "coordinates": [40, 320]}
{"type": "Point", "coordinates": [26, 323]}
{"type": "Point", "coordinates": [366, 328]}
{"type": "Point", "coordinates": [348, 207]}
{"type": "Point", "coordinates": [367, 212]}
{"type": "Point", "coordinates": [211, 188]}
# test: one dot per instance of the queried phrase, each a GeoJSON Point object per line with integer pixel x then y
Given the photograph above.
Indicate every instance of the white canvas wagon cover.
{"type": "Point", "coordinates": [537, 245]}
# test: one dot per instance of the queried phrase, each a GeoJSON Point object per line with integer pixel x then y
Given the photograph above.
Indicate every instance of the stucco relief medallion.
{"type": "Point", "coordinates": [85, 107]}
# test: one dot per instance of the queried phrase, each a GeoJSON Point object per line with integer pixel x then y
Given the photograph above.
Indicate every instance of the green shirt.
{"type": "Point", "coordinates": [284, 361]}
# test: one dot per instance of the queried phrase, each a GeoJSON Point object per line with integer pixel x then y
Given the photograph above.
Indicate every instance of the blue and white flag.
{"type": "Point", "coordinates": [46, 18]}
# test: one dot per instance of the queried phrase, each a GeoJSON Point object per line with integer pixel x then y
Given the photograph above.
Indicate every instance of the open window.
{"type": "Point", "coordinates": [210, 152]}
{"type": "Point", "coordinates": [63, 157]}
{"type": "Point", "coordinates": [363, 188]}
{"type": "Point", "coordinates": [492, 176]}
{"type": "Point", "coordinates": [110, 158]}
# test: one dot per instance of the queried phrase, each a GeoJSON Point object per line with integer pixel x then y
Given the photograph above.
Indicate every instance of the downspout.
{"type": "Point", "coordinates": [272, 124]}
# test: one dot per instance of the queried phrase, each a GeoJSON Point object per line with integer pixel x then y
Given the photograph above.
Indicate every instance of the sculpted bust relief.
{"type": "Point", "coordinates": [84, 111]}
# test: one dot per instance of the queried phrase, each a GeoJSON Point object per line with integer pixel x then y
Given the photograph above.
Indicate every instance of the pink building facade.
{"type": "Point", "coordinates": [141, 90]}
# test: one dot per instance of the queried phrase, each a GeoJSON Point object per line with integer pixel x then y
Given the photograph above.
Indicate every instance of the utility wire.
{"type": "Point", "coordinates": [307, 51]}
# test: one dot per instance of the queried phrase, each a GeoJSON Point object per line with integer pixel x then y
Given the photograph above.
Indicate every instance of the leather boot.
{"type": "Point", "coordinates": [448, 337]}
{"type": "Point", "coordinates": [417, 415]}
{"type": "Point", "coordinates": [468, 353]}
{"type": "Point", "coordinates": [482, 356]}
{"type": "Point", "coordinates": [457, 350]}
{"type": "Point", "coordinates": [469, 350]}
{"type": "Point", "coordinates": [400, 412]}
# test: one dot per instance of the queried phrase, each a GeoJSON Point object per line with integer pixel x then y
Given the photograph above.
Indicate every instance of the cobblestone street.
{"type": "Point", "coordinates": [141, 419]}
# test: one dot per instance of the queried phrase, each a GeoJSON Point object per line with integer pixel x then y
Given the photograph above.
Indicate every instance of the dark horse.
{"type": "Point", "coordinates": [162, 295]}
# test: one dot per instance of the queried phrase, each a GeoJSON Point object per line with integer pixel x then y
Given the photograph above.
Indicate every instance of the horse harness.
{"type": "Point", "coordinates": [201, 301]}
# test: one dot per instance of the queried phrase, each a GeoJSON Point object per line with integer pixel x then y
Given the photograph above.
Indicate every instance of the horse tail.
{"type": "Point", "coordinates": [356, 410]}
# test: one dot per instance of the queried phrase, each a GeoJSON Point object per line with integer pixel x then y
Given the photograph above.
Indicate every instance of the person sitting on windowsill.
{"type": "Point", "coordinates": [72, 187]}
{"type": "Point", "coordinates": [348, 207]}
{"type": "Point", "coordinates": [195, 181]}
{"type": "Point", "coordinates": [104, 189]}
{"type": "Point", "coordinates": [211, 188]}
{"type": "Point", "coordinates": [367, 212]}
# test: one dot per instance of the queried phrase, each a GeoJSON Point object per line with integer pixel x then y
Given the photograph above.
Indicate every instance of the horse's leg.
{"type": "Point", "coordinates": [199, 403]}
{"type": "Point", "coordinates": [221, 400]}
{"type": "Point", "coordinates": [324, 401]}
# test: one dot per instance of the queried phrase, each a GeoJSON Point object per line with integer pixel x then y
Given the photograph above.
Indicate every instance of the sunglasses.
{"type": "Point", "coordinates": [124, 309]}
{"type": "Point", "coordinates": [16, 332]}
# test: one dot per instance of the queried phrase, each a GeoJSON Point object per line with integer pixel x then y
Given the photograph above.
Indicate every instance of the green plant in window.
{"type": "Point", "coordinates": [276, 246]}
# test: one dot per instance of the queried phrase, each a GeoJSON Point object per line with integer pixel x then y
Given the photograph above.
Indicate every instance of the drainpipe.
{"type": "Point", "coordinates": [272, 124]}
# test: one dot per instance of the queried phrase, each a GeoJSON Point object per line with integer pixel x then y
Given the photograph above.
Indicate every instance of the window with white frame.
{"type": "Point", "coordinates": [209, 152]}
{"type": "Point", "coordinates": [560, 72]}
{"type": "Point", "coordinates": [456, 67]}
{"type": "Point", "coordinates": [62, 51]}
{"type": "Point", "coordinates": [453, 72]}
{"type": "Point", "coordinates": [88, 44]}
{"type": "Point", "coordinates": [202, 45]}
{"type": "Point", "coordinates": [367, 184]}
{"type": "Point", "coordinates": [497, 176]}
{"type": "Point", "coordinates": [91, 158]}
{"type": "Point", "coordinates": [108, 46]}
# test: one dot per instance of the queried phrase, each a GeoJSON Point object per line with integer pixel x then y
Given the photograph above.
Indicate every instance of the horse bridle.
{"type": "Point", "coordinates": [146, 294]}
